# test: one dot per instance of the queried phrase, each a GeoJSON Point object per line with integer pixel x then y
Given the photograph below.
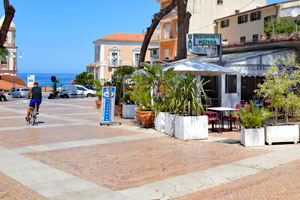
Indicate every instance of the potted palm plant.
{"type": "Point", "coordinates": [98, 88]}
{"type": "Point", "coordinates": [251, 121]}
{"type": "Point", "coordinates": [185, 101]}
{"type": "Point", "coordinates": [280, 90]}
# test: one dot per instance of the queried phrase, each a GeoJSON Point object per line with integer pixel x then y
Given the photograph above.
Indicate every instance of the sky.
{"type": "Point", "coordinates": [55, 36]}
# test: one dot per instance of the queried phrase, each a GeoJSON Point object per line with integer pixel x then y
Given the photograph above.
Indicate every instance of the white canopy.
{"type": "Point", "coordinates": [197, 67]}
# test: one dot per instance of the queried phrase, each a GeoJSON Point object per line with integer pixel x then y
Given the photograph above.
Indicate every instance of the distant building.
{"type": "Point", "coordinates": [204, 12]}
{"type": "Point", "coordinates": [8, 65]}
{"type": "Point", "coordinates": [120, 49]}
{"type": "Point", "coordinates": [248, 26]}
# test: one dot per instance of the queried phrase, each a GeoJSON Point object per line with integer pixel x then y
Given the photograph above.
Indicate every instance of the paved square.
{"type": "Point", "coordinates": [68, 156]}
{"type": "Point", "coordinates": [130, 164]}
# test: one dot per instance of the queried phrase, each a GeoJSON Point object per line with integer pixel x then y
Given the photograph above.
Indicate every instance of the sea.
{"type": "Point", "coordinates": [44, 79]}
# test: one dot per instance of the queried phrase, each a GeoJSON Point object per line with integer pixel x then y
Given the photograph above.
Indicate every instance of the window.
{"type": "Point", "coordinates": [4, 64]}
{"type": "Point", "coordinates": [255, 37]}
{"type": "Point", "coordinates": [136, 59]}
{"type": "Point", "coordinates": [225, 23]}
{"type": "Point", "coordinates": [219, 2]}
{"type": "Point", "coordinates": [154, 52]}
{"type": "Point", "coordinates": [243, 39]}
{"type": "Point", "coordinates": [255, 16]}
{"type": "Point", "coordinates": [231, 84]}
{"type": "Point", "coordinates": [167, 31]}
{"type": "Point", "coordinates": [114, 59]}
{"type": "Point", "coordinates": [225, 42]}
{"type": "Point", "coordinates": [114, 56]}
{"type": "Point", "coordinates": [166, 54]}
{"type": "Point", "coordinates": [242, 19]}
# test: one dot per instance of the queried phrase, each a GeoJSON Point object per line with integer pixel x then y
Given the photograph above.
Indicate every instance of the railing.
{"type": "Point", "coordinates": [168, 35]}
{"type": "Point", "coordinates": [4, 66]}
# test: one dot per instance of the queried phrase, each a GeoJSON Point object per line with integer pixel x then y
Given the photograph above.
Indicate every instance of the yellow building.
{"type": "Point", "coordinates": [204, 12]}
{"type": "Point", "coordinates": [119, 49]}
{"type": "Point", "coordinates": [248, 26]}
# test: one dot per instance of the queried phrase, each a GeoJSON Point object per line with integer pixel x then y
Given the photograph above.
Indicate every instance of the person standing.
{"type": "Point", "coordinates": [2, 96]}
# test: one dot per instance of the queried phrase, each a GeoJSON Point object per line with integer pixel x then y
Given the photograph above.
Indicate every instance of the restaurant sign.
{"type": "Point", "coordinates": [203, 44]}
{"type": "Point", "coordinates": [207, 39]}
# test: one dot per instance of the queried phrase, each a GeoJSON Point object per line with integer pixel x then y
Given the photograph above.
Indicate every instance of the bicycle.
{"type": "Point", "coordinates": [33, 114]}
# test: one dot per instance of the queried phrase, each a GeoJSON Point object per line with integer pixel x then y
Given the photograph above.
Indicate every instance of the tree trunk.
{"type": "Point", "coordinates": [183, 28]}
{"type": "Point", "coordinates": [150, 30]}
{"type": "Point", "coordinates": [9, 15]}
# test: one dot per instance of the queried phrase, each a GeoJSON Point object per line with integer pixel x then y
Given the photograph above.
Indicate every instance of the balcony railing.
{"type": "Point", "coordinates": [4, 66]}
{"type": "Point", "coordinates": [168, 35]}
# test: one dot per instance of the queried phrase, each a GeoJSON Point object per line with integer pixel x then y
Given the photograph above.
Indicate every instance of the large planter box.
{"type": "Point", "coordinates": [191, 127]}
{"type": "Point", "coordinates": [253, 137]}
{"type": "Point", "coordinates": [284, 133]}
{"type": "Point", "coordinates": [170, 124]}
{"type": "Point", "coordinates": [160, 121]}
{"type": "Point", "coordinates": [128, 111]}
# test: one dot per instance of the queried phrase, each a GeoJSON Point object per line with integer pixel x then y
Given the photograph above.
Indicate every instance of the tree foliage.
{"type": "Point", "coordinates": [281, 84]}
{"type": "Point", "coordinates": [280, 26]}
{"type": "Point", "coordinates": [84, 78]}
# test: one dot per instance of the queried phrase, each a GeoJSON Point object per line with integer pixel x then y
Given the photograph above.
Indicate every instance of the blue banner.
{"type": "Point", "coordinates": [108, 104]}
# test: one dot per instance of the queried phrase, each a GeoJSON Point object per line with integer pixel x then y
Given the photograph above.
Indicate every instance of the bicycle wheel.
{"type": "Point", "coordinates": [30, 117]}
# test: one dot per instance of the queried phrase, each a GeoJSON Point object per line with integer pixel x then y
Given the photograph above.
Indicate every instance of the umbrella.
{"type": "Point", "coordinates": [197, 67]}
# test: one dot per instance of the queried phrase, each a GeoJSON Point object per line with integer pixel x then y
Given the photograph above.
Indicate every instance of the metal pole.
{"type": "Point", "coordinates": [110, 110]}
{"type": "Point", "coordinates": [220, 51]}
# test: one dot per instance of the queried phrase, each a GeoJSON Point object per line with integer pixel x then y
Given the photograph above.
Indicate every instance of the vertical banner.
{"type": "Point", "coordinates": [108, 104]}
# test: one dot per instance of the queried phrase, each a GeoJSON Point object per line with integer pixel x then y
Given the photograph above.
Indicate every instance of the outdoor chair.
{"type": "Point", "coordinates": [213, 117]}
{"type": "Point", "coordinates": [233, 117]}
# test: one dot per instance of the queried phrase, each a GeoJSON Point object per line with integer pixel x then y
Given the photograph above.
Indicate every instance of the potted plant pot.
{"type": "Point", "coordinates": [128, 111]}
{"type": "Point", "coordinates": [252, 137]}
{"type": "Point", "coordinates": [191, 127]}
{"type": "Point", "coordinates": [98, 103]}
{"type": "Point", "coordinates": [160, 121]}
{"type": "Point", "coordinates": [170, 124]}
{"type": "Point", "coordinates": [283, 133]}
{"type": "Point", "coordinates": [137, 116]}
{"type": "Point", "coordinates": [146, 118]}
{"type": "Point", "coordinates": [118, 110]}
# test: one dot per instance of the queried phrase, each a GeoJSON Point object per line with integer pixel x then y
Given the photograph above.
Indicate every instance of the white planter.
{"type": "Point", "coordinates": [191, 127]}
{"type": "Point", "coordinates": [253, 137]}
{"type": "Point", "coordinates": [128, 111]}
{"type": "Point", "coordinates": [284, 133]}
{"type": "Point", "coordinates": [170, 124]}
{"type": "Point", "coordinates": [160, 121]}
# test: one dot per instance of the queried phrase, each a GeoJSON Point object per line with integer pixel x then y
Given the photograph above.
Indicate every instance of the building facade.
{"type": "Point", "coordinates": [249, 26]}
{"type": "Point", "coordinates": [119, 49]}
{"type": "Point", "coordinates": [204, 12]}
{"type": "Point", "coordinates": [8, 65]}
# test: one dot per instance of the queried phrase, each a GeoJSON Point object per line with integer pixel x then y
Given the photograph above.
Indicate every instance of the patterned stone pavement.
{"type": "Point", "coordinates": [69, 156]}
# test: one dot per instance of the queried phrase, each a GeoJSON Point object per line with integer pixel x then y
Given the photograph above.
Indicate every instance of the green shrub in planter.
{"type": "Point", "coordinates": [254, 118]}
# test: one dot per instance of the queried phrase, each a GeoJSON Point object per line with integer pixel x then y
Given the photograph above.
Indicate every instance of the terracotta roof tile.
{"type": "Point", "coordinates": [8, 85]}
{"type": "Point", "coordinates": [125, 36]}
{"type": "Point", "coordinates": [9, 78]}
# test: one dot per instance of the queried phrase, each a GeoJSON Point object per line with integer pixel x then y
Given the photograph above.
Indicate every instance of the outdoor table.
{"type": "Point", "coordinates": [221, 110]}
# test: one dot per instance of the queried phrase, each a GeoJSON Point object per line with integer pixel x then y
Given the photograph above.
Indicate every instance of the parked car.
{"type": "Point", "coordinates": [89, 91]}
{"type": "Point", "coordinates": [10, 91]}
{"type": "Point", "coordinates": [75, 91]}
{"type": "Point", "coordinates": [20, 92]}
{"type": "Point", "coordinates": [89, 87]}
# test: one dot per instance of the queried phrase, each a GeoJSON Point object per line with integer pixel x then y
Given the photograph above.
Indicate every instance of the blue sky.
{"type": "Point", "coordinates": [56, 35]}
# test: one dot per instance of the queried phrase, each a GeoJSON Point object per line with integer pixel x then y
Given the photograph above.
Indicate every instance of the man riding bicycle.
{"type": "Point", "coordinates": [36, 97]}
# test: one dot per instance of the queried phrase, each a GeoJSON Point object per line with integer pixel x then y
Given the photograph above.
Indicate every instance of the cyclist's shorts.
{"type": "Point", "coordinates": [32, 102]}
